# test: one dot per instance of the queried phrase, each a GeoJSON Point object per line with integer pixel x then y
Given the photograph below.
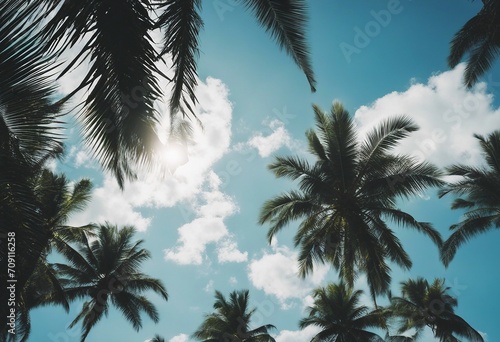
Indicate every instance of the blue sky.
{"type": "Point", "coordinates": [200, 224]}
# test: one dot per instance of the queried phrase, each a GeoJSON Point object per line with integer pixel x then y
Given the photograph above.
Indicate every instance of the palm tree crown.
{"type": "Point", "coordinates": [57, 200]}
{"type": "Point", "coordinates": [107, 269]}
{"type": "Point", "coordinates": [344, 197]}
{"type": "Point", "coordinates": [429, 305]}
{"type": "Point", "coordinates": [337, 312]}
{"type": "Point", "coordinates": [480, 188]}
{"type": "Point", "coordinates": [231, 321]}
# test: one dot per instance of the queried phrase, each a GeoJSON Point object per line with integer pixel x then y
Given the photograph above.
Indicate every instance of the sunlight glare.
{"type": "Point", "coordinates": [174, 155]}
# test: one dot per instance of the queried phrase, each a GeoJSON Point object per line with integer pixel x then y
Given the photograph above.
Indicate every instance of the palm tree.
{"type": "Point", "coordinates": [337, 312]}
{"type": "Point", "coordinates": [429, 305]}
{"type": "Point", "coordinates": [480, 188]}
{"type": "Point", "coordinates": [480, 39]}
{"type": "Point", "coordinates": [107, 269]}
{"type": "Point", "coordinates": [29, 125]}
{"type": "Point", "coordinates": [122, 83]}
{"type": "Point", "coordinates": [44, 287]}
{"type": "Point", "coordinates": [56, 201]}
{"type": "Point", "coordinates": [231, 321]}
{"type": "Point", "coordinates": [345, 197]}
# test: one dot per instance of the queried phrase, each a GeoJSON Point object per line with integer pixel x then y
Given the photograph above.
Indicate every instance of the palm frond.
{"type": "Point", "coordinates": [286, 21]}
{"type": "Point", "coordinates": [118, 115]}
{"type": "Point", "coordinates": [182, 24]}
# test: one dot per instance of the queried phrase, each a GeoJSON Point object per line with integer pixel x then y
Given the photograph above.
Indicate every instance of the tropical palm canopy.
{"type": "Point", "coordinates": [429, 305]}
{"type": "Point", "coordinates": [336, 310]}
{"type": "Point", "coordinates": [478, 191]}
{"type": "Point", "coordinates": [346, 196]}
{"type": "Point", "coordinates": [123, 79]}
{"type": "Point", "coordinates": [231, 321]}
{"type": "Point", "coordinates": [106, 270]}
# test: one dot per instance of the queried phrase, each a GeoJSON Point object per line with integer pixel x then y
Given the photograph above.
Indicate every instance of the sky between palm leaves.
{"type": "Point", "coordinates": [200, 224]}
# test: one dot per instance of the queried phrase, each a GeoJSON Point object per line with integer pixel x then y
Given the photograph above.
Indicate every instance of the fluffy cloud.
{"type": "Point", "coordinates": [277, 138]}
{"type": "Point", "coordinates": [448, 115]}
{"type": "Point", "coordinates": [179, 338]}
{"type": "Point", "coordinates": [207, 228]}
{"type": "Point", "coordinates": [276, 274]}
{"type": "Point", "coordinates": [109, 204]}
{"type": "Point", "coordinates": [297, 335]}
{"type": "Point", "coordinates": [209, 144]}
{"type": "Point", "coordinates": [233, 281]}
{"type": "Point", "coordinates": [228, 252]}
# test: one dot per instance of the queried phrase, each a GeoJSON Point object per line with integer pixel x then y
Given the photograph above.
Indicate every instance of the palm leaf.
{"type": "Point", "coordinates": [285, 20]}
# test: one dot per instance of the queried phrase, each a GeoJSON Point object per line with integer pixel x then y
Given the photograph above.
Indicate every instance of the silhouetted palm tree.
{"type": "Point", "coordinates": [337, 312]}
{"type": "Point", "coordinates": [346, 196]}
{"type": "Point", "coordinates": [107, 269]}
{"type": "Point", "coordinates": [478, 191]}
{"type": "Point", "coordinates": [119, 119]}
{"type": "Point", "coordinates": [56, 200]}
{"type": "Point", "coordinates": [480, 39]}
{"type": "Point", "coordinates": [429, 305]}
{"type": "Point", "coordinates": [231, 321]}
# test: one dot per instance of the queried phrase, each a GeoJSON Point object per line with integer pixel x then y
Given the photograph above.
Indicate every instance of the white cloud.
{"type": "Point", "coordinates": [109, 204]}
{"type": "Point", "coordinates": [277, 274]}
{"type": "Point", "coordinates": [267, 144]}
{"type": "Point", "coordinates": [209, 287]}
{"type": "Point", "coordinates": [448, 115]}
{"type": "Point", "coordinates": [227, 251]}
{"type": "Point", "coordinates": [209, 144]}
{"type": "Point", "coordinates": [207, 228]}
{"type": "Point", "coordinates": [179, 338]}
{"type": "Point", "coordinates": [51, 164]}
{"type": "Point", "coordinates": [233, 281]}
{"type": "Point", "coordinates": [193, 239]}
{"type": "Point", "coordinates": [82, 157]}
{"type": "Point", "coordinates": [297, 335]}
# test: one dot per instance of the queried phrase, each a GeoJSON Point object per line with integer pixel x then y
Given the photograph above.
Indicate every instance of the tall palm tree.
{"type": "Point", "coordinates": [122, 82]}
{"type": "Point", "coordinates": [478, 192]}
{"type": "Point", "coordinates": [231, 321]}
{"type": "Point", "coordinates": [106, 270]}
{"type": "Point", "coordinates": [56, 201]}
{"type": "Point", "coordinates": [480, 39]}
{"type": "Point", "coordinates": [429, 305]}
{"type": "Point", "coordinates": [346, 196]}
{"type": "Point", "coordinates": [337, 312]}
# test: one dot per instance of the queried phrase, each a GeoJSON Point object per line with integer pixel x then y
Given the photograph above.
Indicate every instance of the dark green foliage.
{"type": "Point", "coordinates": [337, 312]}
{"type": "Point", "coordinates": [106, 270]}
{"type": "Point", "coordinates": [123, 79]}
{"type": "Point", "coordinates": [478, 192]}
{"type": "Point", "coordinates": [429, 305]}
{"type": "Point", "coordinates": [231, 321]}
{"type": "Point", "coordinates": [479, 38]}
{"type": "Point", "coordinates": [346, 196]}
